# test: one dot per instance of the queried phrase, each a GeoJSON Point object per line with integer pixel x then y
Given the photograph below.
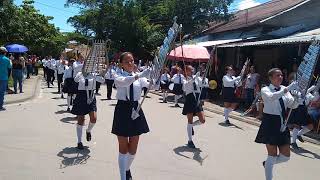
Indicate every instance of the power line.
{"type": "Point", "coordinates": [47, 5]}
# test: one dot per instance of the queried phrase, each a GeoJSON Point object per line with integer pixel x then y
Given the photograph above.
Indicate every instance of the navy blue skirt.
{"type": "Point", "coordinates": [123, 125]}
{"type": "Point", "coordinates": [191, 104]}
{"type": "Point", "coordinates": [269, 131]}
{"type": "Point", "coordinates": [81, 107]}
{"type": "Point", "coordinates": [300, 116]}
{"type": "Point", "coordinates": [204, 92]}
{"type": "Point", "coordinates": [177, 89]}
{"type": "Point", "coordinates": [70, 86]}
{"type": "Point", "coordinates": [165, 86]}
{"type": "Point", "coordinates": [228, 95]}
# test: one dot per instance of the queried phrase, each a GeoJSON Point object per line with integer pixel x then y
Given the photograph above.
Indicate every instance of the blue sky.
{"type": "Point", "coordinates": [61, 14]}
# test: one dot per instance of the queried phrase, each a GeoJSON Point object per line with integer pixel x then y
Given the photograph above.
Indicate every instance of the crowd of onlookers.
{"type": "Point", "coordinates": [16, 67]}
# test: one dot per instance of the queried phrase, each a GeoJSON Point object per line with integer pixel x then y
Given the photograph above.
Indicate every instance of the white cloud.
{"type": "Point", "coordinates": [245, 4]}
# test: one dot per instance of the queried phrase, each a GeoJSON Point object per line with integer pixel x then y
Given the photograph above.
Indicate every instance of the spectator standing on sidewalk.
{"type": "Point", "coordinates": [17, 73]}
{"type": "Point", "coordinates": [4, 66]}
{"type": "Point", "coordinates": [29, 67]}
{"type": "Point", "coordinates": [37, 66]}
{"type": "Point", "coordinates": [252, 80]}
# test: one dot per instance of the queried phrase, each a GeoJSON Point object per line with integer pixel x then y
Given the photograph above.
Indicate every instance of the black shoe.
{"type": "Point", "coordinates": [177, 105]}
{"type": "Point", "coordinates": [128, 175]}
{"type": "Point", "coordinates": [2, 109]}
{"type": "Point", "coordinates": [191, 145]}
{"type": "Point", "coordinates": [62, 96]}
{"type": "Point", "coordinates": [52, 83]}
{"type": "Point", "coordinates": [165, 101]}
{"type": "Point", "coordinates": [88, 136]}
{"type": "Point", "coordinates": [264, 164]}
{"type": "Point", "coordinates": [300, 139]}
{"type": "Point", "coordinates": [294, 146]}
{"type": "Point", "coordinates": [192, 132]}
{"type": "Point", "coordinates": [80, 146]}
{"type": "Point", "coordinates": [227, 122]}
{"type": "Point", "coordinates": [68, 109]}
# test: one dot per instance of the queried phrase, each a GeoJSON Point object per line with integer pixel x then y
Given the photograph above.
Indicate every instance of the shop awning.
{"type": "Point", "coordinates": [217, 42]}
{"type": "Point", "coordinates": [303, 37]}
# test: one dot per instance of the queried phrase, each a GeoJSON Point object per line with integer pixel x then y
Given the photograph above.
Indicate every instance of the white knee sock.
{"type": "Point", "coordinates": [79, 132]}
{"type": "Point", "coordinates": [129, 161]}
{"type": "Point", "coordinates": [303, 131]}
{"type": "Point", "coordinates": [176, 99]}
{"type": "Point", "coordinates": [90, 126]}
{"type": "Point", "coordinates": [268, 167]}
{"type": "Point", "coordinates": [189, 131]}
{"type": "Point", "coordinates": [197, 123]}
{"type": "Point", "coordinates": [294, 135]}
{"type": "Point", "coordinates": [281, 159]}
{"type": "Point", "coordinates": [227, 111]}
{"type": "Point", "coordinates": [69, 101]}
{"type": "Point", "coordinates": [122, 160]}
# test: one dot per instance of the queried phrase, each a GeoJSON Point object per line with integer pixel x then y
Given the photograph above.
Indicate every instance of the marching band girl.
{"type": "Point", "coordinates": [228, 92]}
{"type": "Point", "coordinates": [192, 105]}
{"type": "Point", "coordinates": [300, 118]}
{"type": "Point", "coordinates": [69, 85]}
{"type": "Point", "coordinates": [61, 67]}
{"type": "Point", "coordinates": [129, 86]}
{"type": "Point", "coordinates": [178, 80]}
{"type": "Point", "coordinates": [85, 103]}
{"type": "Point", "coordinates": [109, 76]}
{"type": "Point", "coordinates": [164, 83]}
{"type": "Point", "coordinates": [272, 131]}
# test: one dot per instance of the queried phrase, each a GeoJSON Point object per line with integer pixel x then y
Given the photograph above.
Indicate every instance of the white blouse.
{"type": "Point", "coordinates": [124, 80]}
{"type": "Point", "coordinates": [188, 85]}
{"type": "Point", "coordinates": [271, 99]}
{"type": "Point", "coordinates": [68, 73]}
{"type": "Point", "coordinates": [60, 67]}
{"type": "Point", "coordinates": [230, 81]}
{"type": "Point", "coordinates": [110, 74]}
{"type": "Point", "coordinates": [91, 83]}
{"type": "Point", "coordinates": [77, 67]}
{"type": "Point", "coordinates": [178, 79]}
{"type": "Point", "coordinates": [165, 77]}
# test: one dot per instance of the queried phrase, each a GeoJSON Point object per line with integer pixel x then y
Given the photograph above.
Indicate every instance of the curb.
{"type": "Point", "coordinates": [246, 120]}
{"type": "Point", "coordinates": [36, 87]}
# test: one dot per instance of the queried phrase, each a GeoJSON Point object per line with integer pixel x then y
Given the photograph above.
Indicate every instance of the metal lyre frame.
{"type": "Point", "coordinates": [97, 54]}
{"type": "Point", "coordinates": [207, 70]}
{"type": "Point", "coordinates": [305, 73]}
{"type": "Point", "coordinates": [159, 62]}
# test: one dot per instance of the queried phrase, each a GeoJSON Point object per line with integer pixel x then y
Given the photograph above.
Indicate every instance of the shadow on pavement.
{"type": "Point", "coordinates": [56, 98]}
{"type": "Point", "coordinates": [61, 112]}
{"type": "Point", "coordinates": [61, 105]}
{"type": "Point", "coordinates": [196, 153]}
{"type": "Point", "coordinates": [68, 119]}
{"type": "Point", "coordinates": [72, 156]}
{"type": "Point", "coordinates": [230, 125]}
{"type": "Point", "coordinates": [305, 153]}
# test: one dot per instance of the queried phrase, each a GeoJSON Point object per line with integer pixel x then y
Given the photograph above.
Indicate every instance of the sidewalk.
{"type": "Point", "coordinates": [208, 106]}
{"type": "Point", "coordinates": [29, 88]}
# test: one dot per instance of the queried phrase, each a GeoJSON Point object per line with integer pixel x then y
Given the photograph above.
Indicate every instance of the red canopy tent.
{"type": "Point", "coordinates": [189, 53]}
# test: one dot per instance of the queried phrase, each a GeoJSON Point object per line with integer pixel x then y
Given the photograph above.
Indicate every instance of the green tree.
{"type": "Point", "coordinates": [141, 25]}
{"type": "Point", "coordinates": [25, 25]}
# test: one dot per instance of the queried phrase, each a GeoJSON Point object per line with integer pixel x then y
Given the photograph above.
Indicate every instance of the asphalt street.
{"type": "Point", "coordinates": [38, 140]}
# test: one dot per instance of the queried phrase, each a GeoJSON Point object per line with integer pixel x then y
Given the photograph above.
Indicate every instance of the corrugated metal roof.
{"type": "Point", "coordinates": [252, 16]}
{"type": "Point", "coordinates": [297, 38]}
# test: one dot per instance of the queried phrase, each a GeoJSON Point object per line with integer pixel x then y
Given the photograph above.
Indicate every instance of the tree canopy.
{"type": "Point", "coordinates": [26, 25]}
{"type": "Point", "coordinates": [140, 26]}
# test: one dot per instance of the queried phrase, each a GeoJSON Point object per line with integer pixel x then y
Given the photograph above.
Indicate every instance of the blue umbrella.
{"type": "Point", "coordinates": [16, 48]}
